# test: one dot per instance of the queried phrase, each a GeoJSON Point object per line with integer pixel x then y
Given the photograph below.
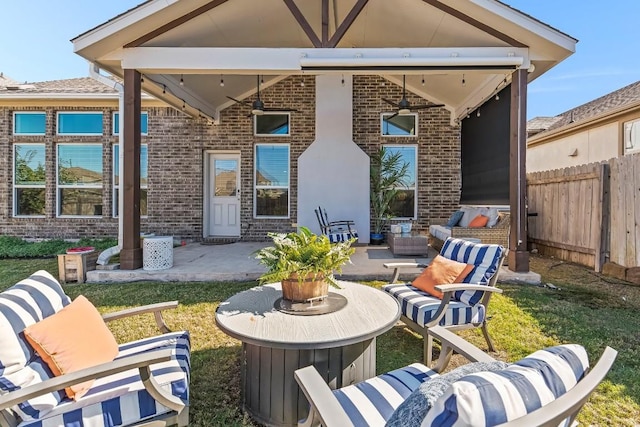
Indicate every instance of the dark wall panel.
{"type": "Point", "coordinates": [485, 153]}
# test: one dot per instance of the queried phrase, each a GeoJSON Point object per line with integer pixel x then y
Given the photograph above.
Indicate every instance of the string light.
{"type": "Point", "coordinates": [141, 78]}
{"type": "Point", "coordinates": [343, 80]}
{"type": "Point", "coordinates": [478, 113]}
{"type": "Point", "coordinates": [164, 89]}
{"type": "Point", "coordinates": [497, 97]}
{"type": "Point", "coordinates": [464, 82]}
{"type": "Point", "coordinates": [221, 81]}
{"type": "Point", "coordinates": [302, 82]}
{"type": "Point", "coordinates": [181, 80]}
{"type": "Point", "coordinates": [423, 80]}
{"type": "Point", "coordinates": [184, 105]}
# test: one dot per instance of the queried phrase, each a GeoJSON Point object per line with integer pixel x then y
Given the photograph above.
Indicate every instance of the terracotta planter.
{"type": "Point", "coordinates": [294, 290]}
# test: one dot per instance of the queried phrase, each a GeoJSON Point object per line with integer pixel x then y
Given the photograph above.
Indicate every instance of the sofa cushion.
{"type": "Point", "coordinates": [121, 399]}
{"type": "Point", "coordinates": [454, 219]}
{"type": "Point", "coordinates": [440, 232]}
{"type": "Point", "coordinates": [470, 212]}
{"type": "Point", "coordinates": [493, 398]}
{"type": "Point", "coordinates": [439, 272]}
{"type": "Point", "coordinates": [421, 307]}
{"type": "Point", "coordinates": [25, 303]}
{"type": "Point", "coordinates": [372, 402]}
{"type": "Point", "coordinates": [414, 409]}
{"type": "Point", "coordinates": [479, 221]}
{"type": "Point", "coordinates": [493, 215]}
{"type": "Point", "coordinates": [72, 339]}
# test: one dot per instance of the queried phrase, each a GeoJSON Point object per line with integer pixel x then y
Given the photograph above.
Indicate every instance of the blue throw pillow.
{"type": "Point", "coordinates": [454, 219]}
{"type": "Point", "coordinates": [413, 410]}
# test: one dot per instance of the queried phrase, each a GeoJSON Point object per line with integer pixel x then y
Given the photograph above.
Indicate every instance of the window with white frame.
{"type": "Point", "coordinates": [29, 179]}
{"type": "Point", "coordinates": [144, 123]}
{"type": "Point", "coordinates": [144, 169]}
{"type": "Point", "coordinates": [79, 123]}
{"type": "Point", "coordinates": [631, 138]}
{"type": "Point", "coordinates": [393, 124]}
{"type": "Point", "coordinates": [79, 179]}
{"type": "Point", "coordinates": [271, 124]}
{"type": "Point", "coordinates": [271, 180]}
{"type": "Point", "coordinates": [404, 203]}
{"type": "Point", "coordinates": [29, 123]}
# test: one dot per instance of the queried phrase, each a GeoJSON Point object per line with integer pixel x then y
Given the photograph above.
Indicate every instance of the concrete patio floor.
{"type": "Point", "coordinates": [235, 262]}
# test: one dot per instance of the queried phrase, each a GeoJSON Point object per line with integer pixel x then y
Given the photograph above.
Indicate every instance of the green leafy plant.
{"type": "Point", "coordinates": [388, 173]}
{"type": "Point", "coordinates": [304, 254]}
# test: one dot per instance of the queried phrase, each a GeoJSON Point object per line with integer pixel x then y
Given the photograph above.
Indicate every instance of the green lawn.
{"type": "Point", "coordinates": [587, 308]}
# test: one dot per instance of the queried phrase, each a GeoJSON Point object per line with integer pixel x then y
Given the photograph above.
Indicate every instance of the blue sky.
{"type": "Point", "coordinates": [35, 44]}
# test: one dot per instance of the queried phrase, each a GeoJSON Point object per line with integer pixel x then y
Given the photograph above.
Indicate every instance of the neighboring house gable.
{"type": "Point", "coordinates": [601, 129]}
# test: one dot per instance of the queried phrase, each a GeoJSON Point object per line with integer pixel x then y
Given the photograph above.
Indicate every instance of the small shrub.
{"type": "Point", "coordinates": [15, 247]}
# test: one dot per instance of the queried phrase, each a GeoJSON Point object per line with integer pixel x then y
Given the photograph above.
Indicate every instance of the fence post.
{"type": "Point", "coordinates": [602, 244]}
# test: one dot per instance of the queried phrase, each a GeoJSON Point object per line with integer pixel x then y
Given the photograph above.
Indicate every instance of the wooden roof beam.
{"type": "Point", "coordinates": [346, 24]}
{"type": "Point", "coordinates": [304, 24]}
{"type": "Point", "coordinates": [475, 23]}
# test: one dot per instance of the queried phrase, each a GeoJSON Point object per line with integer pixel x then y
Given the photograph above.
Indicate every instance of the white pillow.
{"type": "Point", "coordinates": [492, 213]}
{"type": "Point", "coordinates": [470, 212]}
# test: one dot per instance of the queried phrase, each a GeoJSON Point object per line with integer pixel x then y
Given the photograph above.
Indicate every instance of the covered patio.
{"type": "Point", "coordinates": [203, 56]}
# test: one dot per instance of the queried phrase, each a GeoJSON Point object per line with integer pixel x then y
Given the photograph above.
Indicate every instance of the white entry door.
{"type": "Point", "coordinates": [224, 195]}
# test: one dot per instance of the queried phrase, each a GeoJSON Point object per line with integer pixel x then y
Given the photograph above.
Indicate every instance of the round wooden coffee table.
{"type": "Point", "coordinates": [341, 345]}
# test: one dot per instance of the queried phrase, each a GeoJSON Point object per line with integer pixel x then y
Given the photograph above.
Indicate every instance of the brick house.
{"type": "Point", "coordinates": [291, 103]}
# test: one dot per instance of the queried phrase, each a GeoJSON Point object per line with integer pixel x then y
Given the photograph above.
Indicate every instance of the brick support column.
{"type": "Point", "coordinates": [518, 255]}
{"type": "Point", "coordinates": [131, 253]}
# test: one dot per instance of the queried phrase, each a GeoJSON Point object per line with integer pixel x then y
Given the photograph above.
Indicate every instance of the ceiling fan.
{"type": "Point", "coordinates": [257, 106]}
{"type": "Point", "coordinates": [404, 106]}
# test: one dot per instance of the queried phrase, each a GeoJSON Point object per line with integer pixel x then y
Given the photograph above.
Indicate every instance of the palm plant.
{"type": "Point", "coordinates": [387, 172]}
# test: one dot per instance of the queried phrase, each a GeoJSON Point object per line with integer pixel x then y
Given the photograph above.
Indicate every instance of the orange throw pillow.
{"type": "Point", "coordinates": [479, 221]}
{"type": "Point", "coordinates": [74, 338]}
{"type": "Point", "coordinates": [441, 271]}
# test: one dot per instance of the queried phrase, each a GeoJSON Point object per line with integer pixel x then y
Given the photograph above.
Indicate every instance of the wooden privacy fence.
{"type": "Point", "coordinates": [588, 214]}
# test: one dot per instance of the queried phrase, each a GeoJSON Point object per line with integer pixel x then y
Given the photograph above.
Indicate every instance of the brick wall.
{"type": "Point", "coordinates": [178, 146]}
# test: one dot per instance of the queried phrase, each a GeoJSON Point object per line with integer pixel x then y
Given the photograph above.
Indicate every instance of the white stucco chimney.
{"type": "Point", "coordinates": [334, 172]}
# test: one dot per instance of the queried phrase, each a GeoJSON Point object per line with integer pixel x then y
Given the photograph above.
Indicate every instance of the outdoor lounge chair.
{"type": "Point", "coordinates": [463, 305]}
{"type": "Point", "coordinates": [146, 385]}
{"type": "Point", "coordinates": [337, 231]}
{"type": "Point", "coordinates": [547, 388]}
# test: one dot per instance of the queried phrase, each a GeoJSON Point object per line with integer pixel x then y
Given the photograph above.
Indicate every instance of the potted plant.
{"type": "Point", "coordinates": [387, 173]}
{"type": "Point", "coordinates": [304, 263]}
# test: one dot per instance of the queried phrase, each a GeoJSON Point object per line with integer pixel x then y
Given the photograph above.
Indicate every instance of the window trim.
{"type": "Point", "coordinates": [14, 133]}
{"type": "Point", "coordinates": [113, 123]}
{"type": "Point", "coordinates": [16, 186]}
{"type": "Point", "coordinates": [272, 135]}
{"type": "Point", "coordinates": [58, 186]}
{"type": "Point", "coordinates": [59, 113]}
{"type": "Point", "coordinates": [415, 187]}
{"type": "Point", "coordinates": [114, 203]}
{"type": "Point", "coordinates": [382, 134]}
{"type": "Point", "coordinates": [631, 122]}
{"type": "Point", "coordinates": [256, 187]}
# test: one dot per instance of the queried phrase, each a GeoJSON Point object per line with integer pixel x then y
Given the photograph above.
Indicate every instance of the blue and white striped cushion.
{"type": "Point", "coordinates": [420, 307]}
{"type": "Point", "coordinates": [493, 398]}
{"type": "Point", "coordinates": [484, 257]}
{"type": "Point", "coordinates": [342, 236]}
{"type": "Point", "coordinates": [372, 402]}
{"type": "Point", "coordinates": [25, 303]}
{"type": "Point", "coordinates": [121, 399]}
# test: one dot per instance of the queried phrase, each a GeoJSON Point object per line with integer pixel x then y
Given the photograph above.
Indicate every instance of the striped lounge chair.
{"type": "Point", "coordinates": [547, 388]}
{"type": "Point", "coordinates": [147, 383]}
{"type": "Point", "coordinates": [463, 305]}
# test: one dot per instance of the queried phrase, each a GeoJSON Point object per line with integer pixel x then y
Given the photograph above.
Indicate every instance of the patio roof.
{"type": "Point", "coordinates": [440, 42]}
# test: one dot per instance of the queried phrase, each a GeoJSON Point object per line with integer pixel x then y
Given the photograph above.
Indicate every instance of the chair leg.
{"type": "Point", "coordinates": [485, 332]}
{"type": "Point", "coordinates": [428, 348]}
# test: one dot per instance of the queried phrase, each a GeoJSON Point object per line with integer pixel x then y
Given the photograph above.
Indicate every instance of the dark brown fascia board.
{"type": "Point", "coordinates": [304, 24]}
{"type": "Point", "coordinates": [175, 23]}
{"type": "Point", "coordinates": [346, 24]}
{"type": "Point", "coordinates": [475, 23]}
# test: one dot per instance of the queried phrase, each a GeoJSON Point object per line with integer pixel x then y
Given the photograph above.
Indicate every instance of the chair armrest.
{"type": "Point", "coordinates": [454, 287]}
{"type": "Point", "coordinates": [140, 361]}
{"type": "Point", "coordinates": [323, 402]}
{"type": "Point", "coordinates": [156, 309]}
{"type": "Point", "coordinates": [344, 222]}
{"type": "Point", "coordinates": [452, 342]}
{"type": "Point", "coordinates": [398, 265]}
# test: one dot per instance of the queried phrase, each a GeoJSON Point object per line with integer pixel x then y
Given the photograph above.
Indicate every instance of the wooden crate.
{"type": "Point", "coordinates": [74, 267]}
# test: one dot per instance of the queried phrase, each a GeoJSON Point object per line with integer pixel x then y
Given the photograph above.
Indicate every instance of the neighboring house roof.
{"type": "Point", "coordinates": [627, 96]}
{"type": "Point", "coordinates": [67, 86]}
